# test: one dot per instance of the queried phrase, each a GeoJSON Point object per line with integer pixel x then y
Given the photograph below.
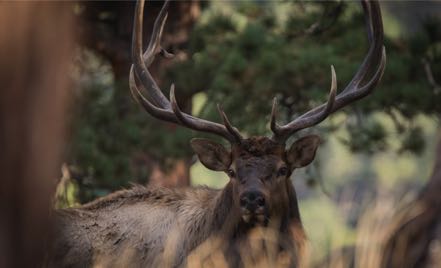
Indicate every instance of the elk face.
{"type": "Point", "coordinates": [259, 169]}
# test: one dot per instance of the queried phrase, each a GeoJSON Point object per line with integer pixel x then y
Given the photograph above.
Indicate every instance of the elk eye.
{"type": "Point", "coordinates": [282, 172]}
{"type": "Point", "coordinates": [231, 173]}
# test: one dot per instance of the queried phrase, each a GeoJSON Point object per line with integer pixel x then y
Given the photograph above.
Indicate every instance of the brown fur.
{"type": "Point", "coordinates": [258, 146]}
{"type": "Point", "coordinates": [161, 226]}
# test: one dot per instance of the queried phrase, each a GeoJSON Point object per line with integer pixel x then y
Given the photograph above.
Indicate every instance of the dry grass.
{"type": "Point", "coordinates": [382, 218]}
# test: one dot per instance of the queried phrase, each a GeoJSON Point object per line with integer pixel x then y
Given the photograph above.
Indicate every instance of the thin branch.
{"type": "Point", "coordinates": [429, 75]}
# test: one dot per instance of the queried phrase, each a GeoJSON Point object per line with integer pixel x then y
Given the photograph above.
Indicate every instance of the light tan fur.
{"type": "Point", "coordinates": [153, 226]}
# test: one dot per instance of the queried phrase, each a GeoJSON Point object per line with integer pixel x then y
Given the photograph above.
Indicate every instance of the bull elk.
{"type": "Point", "coordinates": [143, 220]}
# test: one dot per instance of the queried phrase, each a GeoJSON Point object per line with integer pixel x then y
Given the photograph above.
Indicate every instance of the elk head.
{"type": "Point", "coordinates": [259, 167]}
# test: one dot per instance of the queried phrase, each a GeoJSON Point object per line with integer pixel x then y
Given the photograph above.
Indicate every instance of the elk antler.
{"type": "Point", "coordinates": [159, 106]}
{"type": "Point", "coordinates": [360, 86]}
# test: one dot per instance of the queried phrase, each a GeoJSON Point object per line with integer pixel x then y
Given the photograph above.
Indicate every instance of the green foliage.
{"type": "Point", "coordinates": [242, 55]}
{"type": "Point", "coordinates": [246, 56]}
{"type": "Point", "coordinates": [111, 134]}
{"type": "Point", "coordinates": [368, 138]}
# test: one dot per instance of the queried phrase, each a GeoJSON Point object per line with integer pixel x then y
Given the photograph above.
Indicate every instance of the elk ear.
{"type": "Point", "coordinates": [302, 152]}
{"type": "Point", "coordinates": [211, 154]}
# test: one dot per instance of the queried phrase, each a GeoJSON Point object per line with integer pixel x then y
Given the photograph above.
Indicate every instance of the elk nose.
{"type": "Point", "coordinates": [252, 201]}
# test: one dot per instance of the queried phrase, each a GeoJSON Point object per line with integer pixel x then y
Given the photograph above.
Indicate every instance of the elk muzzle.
{"type": "Point", "coordinates": [252, 204]}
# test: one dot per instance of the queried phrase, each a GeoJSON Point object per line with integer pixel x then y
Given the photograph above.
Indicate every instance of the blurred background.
{"type": "Point", "coordinates": [377, 156]}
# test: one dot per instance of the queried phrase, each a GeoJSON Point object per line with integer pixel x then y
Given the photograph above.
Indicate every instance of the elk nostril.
{"type": "Point", "coordinates": [260, 201]}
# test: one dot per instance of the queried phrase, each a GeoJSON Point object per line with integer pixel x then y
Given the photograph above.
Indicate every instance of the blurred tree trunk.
{"type": "Point", "coordinates": [177, 176]}
{"type": "Point", "coordinates": [106, 28]}
{"type": "Point", "coordinates": [35, 53]}
{"type": "Point", "coordinates": [416, 242]}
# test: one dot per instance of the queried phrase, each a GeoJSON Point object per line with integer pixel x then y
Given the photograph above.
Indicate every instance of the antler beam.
{"type": "Point", "coordinates": [158, 105]}
{"type": "Point", "coordinates": [361, 85]}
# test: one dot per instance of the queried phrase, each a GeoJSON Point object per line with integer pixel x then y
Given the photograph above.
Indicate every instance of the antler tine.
{"type": "Point", "coordinates": [374, 27]}
{"type": "Point", "coordinates": [159, 106]}
{"type": "Point", "coordinates": [227, 123]}
{"type": "Point", "coordinates": [191, 123]}
{"type": "Point", "coordinates": [159, 113]}
{"type": "Point", "coordinates": [155, 39]}
{"type": "Point", "coordinates": [373, 64]}
{"type": "Point", "coordinates": [179, 114]}
{"type": "Point", "coordinates": [282, 133]}
{"type": "Point", "coordinates": [138, 58]}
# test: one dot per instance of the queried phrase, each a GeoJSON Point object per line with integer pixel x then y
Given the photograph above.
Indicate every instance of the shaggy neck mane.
{"type": "Point", "coordinates": [224, 215]}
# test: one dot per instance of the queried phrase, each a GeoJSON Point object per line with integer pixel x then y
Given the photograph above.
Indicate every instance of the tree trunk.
{"type": "Point", "coordinates": [35, 51]}
{"type": "Point", "coordinates": [416, 242]}
{"type": "Point", "coordinates": [177, 176]}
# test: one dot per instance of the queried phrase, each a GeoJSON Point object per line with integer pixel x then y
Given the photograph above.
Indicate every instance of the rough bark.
{"type": "Point", "coordinates": [35, 50]}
